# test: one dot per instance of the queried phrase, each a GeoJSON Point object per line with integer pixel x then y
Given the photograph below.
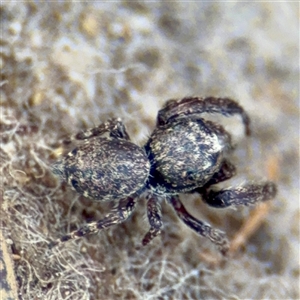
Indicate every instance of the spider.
{"type": "Point", "coordinates": [184, 154]}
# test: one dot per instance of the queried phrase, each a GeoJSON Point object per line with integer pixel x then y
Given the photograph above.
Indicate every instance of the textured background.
{"type": "Point", "coordinates": [70, 66]}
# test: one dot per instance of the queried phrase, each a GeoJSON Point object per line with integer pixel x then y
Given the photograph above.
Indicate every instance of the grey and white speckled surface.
{"type": "Point", "coordinates": [68, 66]}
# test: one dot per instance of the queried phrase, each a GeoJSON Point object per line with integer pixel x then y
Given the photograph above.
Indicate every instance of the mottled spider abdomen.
{"type": "Point", "coordinates": [105, 168]}
{"type": "Point", "coordinates": [184, 154]}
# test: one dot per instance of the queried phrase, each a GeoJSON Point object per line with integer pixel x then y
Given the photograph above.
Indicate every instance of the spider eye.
{"type": "Point", "coordinates": [74, 183]}
{"type": "Point", "coordinates": [191, 175]}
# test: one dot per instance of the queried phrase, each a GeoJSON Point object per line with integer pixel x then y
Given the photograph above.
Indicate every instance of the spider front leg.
{"type": "Point", "coordinates": [118, 215]}
{"type": "Point", "coordinates": [114, 127]}
{"type": "Point", "coordinates": [216, 236]}
{"type": "Point", "coordinates": [244, 195]}
{"type": "Point", "coordinates": [194, 105]}
{"type": "Point", "coordinates": [227, 170]}
{"type": "Point", "coordinates": [154, 217]}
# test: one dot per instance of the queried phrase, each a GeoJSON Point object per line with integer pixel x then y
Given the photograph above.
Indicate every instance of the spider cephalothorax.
{"type": "Point", "coordinates": [184, 154]}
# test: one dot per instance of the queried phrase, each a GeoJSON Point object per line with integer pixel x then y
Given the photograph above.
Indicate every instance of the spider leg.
{"type": "Point", "coordinates": [223, 136]}
{"type": "Point", "coordinates": [154, 217]}
{"type": "Point", "coordinates": [216, 236]}
{"type": "Point", "coordinates": [118, 215]}
{"type": "Point", "coordinates": [226, 171]}
{"type": "Point", "coordinates": [195, 105]}
{"type": "Point", "coordinates": [114, 127]}
{"type": "Point", "coordinates": [244, 195]}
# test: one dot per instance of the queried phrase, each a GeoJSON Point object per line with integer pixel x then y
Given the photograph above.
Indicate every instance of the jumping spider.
{"type": "Point", "coordinates": [184, 154]}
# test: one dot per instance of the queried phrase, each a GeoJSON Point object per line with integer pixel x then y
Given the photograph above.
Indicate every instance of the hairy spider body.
{"type": "Point", "coordinates": [105, 168]}
{"type": "Point", "coordinates": [184, 154]}
{"type": "Point", "coordinates": [194, 147]}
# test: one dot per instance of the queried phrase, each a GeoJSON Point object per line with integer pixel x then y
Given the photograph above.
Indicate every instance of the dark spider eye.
{"type": "Point", "coordinates": [190, 175]}
{"type": "Point", "coordinates": [74, 152]}
{"type": "Point", "coordinates": [74, 183]}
